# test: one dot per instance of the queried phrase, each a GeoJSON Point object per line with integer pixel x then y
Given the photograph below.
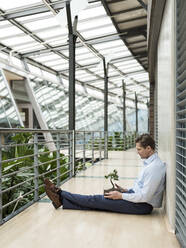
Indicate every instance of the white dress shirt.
{"type": "Point", "coordinates": [150, 184]}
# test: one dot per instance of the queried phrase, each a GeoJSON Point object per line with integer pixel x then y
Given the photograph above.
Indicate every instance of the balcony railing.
{"type": "Point", "coordinates": [28, 156]}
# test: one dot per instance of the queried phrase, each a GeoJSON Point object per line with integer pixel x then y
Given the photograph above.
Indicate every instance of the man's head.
{"type": "Point", "coordinates": [145, 145]}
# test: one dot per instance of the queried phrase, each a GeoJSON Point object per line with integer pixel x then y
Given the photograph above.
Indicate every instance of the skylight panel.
{"type": "Point", "coordinates": [52, 33]}
{"type": "Point", "coordinates": [50, 22]}
{"type": "Point", "coordinates": [93, 12]}
{"type": "Point", "coordinates": [5, 5]}
{"type": "Point", "coordinates": [35, 17]}
{"type": "Point", "coordinates": [86, 78]}
{"type": "Point", "coordinates": [14, 42]}
{"type": "Point", "coordinates": [5, 24]}
{"type": "Point", "coordinates": [31, 48]}
{"type": "Point", "coordinates": [47, 57]}
{"type": "Point", "coordinates": [109, 44]}
{"type": "Point", "coordinates": [85, 56]}
{"type": "Point", "coordinates": [9, 32]}
{"type": "Point", "coordinates": [55, 63]}
{"type": "Point", "coordinates": [100, 31]}
{"type": "Point", "coordinates": [61, 67]}
{"type": "Point", "coordinates": [91, 23]}
{"type": "Point", "coordinates": [57, 41]}
{"type": "Point", "coordinates": [124, 63]}
{"type": "Point", "coordinates": [88, 61]}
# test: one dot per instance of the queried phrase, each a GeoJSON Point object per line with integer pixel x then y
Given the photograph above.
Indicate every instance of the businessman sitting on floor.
{"type": "Point", "coordinates": [146, 194]}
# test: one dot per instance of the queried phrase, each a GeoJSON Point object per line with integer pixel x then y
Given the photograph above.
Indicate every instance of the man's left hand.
{"type": "Point", "coordinates": [114, 195]}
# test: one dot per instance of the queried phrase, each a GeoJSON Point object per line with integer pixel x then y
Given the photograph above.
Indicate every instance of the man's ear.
{"type": "Point", "coordinates": [149, 148]}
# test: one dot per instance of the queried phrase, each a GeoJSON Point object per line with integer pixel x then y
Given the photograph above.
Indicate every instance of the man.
{"type": "Point", "coordinates": [146, 193]}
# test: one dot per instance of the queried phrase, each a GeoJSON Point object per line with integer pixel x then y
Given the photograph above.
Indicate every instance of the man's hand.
{"type": "Point", "coordinates": [121, 189]}
{"type": "Point", "coordinates": [114, 195]}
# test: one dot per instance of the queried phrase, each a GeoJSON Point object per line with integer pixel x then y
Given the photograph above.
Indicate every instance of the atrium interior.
{"type": "Point", "coordinates": [79, 81]}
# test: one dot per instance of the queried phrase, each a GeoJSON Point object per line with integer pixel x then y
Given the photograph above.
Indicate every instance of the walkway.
{"type": "Point", "coordinates": [43, 226]}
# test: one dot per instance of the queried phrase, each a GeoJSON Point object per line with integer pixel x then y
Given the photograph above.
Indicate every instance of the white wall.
{"type": "Point", "coordinates": [166, 103]}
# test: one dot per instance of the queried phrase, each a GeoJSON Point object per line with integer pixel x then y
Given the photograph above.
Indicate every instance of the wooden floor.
{"type": "Point", "coordinates": [43, 226]}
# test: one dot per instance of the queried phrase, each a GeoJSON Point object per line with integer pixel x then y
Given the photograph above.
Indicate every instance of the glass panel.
{"type": "Point", "coordinates": [53, 102]}
{"type": "Point", "coordinates": [52, 34]}
{"type": "Point", "coordinates": [101, 31]}
{"type": "Point", "coordinates": [93, 12]}
{"type": "Point", "coordinates": [8, 113]}
{"type": "Point", "coordinates": [5, 5]}
{"type": "Point", "coordinates": [11, 31]}
{"type": "Point", "coordinates": [16, 41]}
{"type": "Point", "coordinates": [50, 22]}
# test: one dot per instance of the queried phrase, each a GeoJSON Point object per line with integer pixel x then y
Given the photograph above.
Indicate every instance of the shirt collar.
{"type": "Point", "coordinates": [149, 160]}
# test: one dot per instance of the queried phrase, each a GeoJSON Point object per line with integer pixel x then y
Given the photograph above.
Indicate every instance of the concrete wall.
{"type": "Point", "coordinates": [166, 103]}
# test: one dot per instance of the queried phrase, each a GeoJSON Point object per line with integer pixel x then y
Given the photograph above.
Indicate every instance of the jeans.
{"type": "Point", "coordinates": [98, 202]}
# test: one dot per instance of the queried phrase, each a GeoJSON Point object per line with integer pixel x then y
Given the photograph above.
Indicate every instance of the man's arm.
{"type": "Point", "coordinates": [114, 195]}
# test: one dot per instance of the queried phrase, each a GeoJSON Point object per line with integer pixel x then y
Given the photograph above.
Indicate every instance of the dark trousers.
{"type": "Point", "coordinates": [98, 202]}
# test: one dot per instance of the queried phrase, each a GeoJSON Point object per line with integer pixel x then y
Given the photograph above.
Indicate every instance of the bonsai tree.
{"type": "Point", "coordinates": [112, 176]}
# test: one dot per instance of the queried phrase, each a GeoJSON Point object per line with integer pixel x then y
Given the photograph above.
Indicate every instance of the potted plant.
{"type": "Point", "coordinates": [112, 176]}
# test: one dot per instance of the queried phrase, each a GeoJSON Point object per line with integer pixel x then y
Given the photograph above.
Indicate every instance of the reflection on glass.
{"type": "Point", "coordinates": [8, 114]}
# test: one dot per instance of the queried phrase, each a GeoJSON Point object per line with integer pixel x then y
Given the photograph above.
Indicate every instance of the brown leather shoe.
{"type": "Point", "coordinates": [50, 185]}
{"type": "Point", "coordinates": [51, 191]}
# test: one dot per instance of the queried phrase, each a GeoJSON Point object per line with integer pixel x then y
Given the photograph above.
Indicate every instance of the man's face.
{"type": "Point", "coordinates": [144, 152]}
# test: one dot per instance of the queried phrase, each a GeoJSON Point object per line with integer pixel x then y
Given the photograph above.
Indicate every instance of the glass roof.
{"type": "Point", "coordinates": [30, 29]}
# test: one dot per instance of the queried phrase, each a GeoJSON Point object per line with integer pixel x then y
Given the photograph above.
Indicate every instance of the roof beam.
{"type": "Point", "coordinates": [109, 13]}
{"type": "Point", "coordinates": [114, 14]}
{"type": "Point", "coordinates": [132, 19]}
{"type": "Point", "coordinates": [115, 1]}
{"type": "Point", "coordinates": [142, 4]}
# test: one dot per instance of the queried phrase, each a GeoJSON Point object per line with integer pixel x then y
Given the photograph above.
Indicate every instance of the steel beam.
{"type": "Point", "coordinates": [148, 105]}
{"type": "Point", "coordinates": [136, 107]}
{"type": "Point", "coordinates": [133, 19]}
{"type": "Point", "coordinates": [142, 4]}
{"type": "Point", "coordinates": [114, 14]}
{"type": "Point", "coordinates": [105, 68]}
{"type": "Point", "coordinates": [72, 69]}
{"type": "Point", "coordinates": [124, 107]}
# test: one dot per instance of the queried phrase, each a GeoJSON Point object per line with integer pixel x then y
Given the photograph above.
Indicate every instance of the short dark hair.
{"type": "Point", "coordinates": [146, 140]}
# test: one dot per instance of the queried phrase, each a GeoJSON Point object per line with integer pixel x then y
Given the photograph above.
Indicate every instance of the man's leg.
{"type": "Point", "coordinates": [98, 202]}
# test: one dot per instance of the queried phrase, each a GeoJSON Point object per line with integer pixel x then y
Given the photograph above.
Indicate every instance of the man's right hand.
{"type": "Point", "coordinates": [122, 190]}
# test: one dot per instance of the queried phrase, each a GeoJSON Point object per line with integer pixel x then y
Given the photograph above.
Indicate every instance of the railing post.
{"type": "Point", "coordinates": [100, 145]}
{"type": "Point", "coordinates": [1, 200]}
{"type": "Point", "coordinates": [58, 159]}
{"type": "Point", "coordinates": [36, 173]}
{"type": "Point", "coordinates": [72, 153]}
{"type": "Point", "coordinates": [131, 140]}
{"type": "Point", "coordinates": [84, 151]}
{"type": "Point", "coordinates": [92, 148]}
{"type": "Point", "coordinates": [124, 141]}
{"type": "Point", "coordinates": [106, 145]}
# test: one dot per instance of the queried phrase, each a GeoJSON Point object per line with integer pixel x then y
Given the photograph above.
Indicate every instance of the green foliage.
{"type": "Point", "coordinates": [113, 175]}
{"type": "Point", "coordinates": [116, 142]}
{"type": "Point", "coordinates": [18, 170]}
